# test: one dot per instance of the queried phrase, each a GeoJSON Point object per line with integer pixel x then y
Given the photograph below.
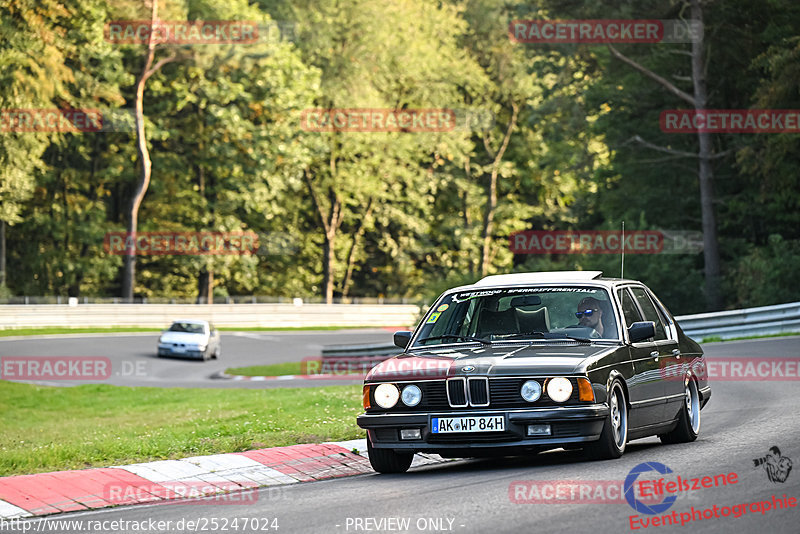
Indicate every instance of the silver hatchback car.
{"type": "Point", "coordinates": [191, 338]}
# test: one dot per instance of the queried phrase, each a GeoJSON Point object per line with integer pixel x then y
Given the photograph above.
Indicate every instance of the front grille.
{"type": "Point", "coordinates": [478, 391]}
{"type": "Point", "coordinates": [502, 393]}
{"type": "Point", "coordinates": [456, 394]}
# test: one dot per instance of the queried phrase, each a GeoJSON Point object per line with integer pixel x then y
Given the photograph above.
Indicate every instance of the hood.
{"type": "Point", "coordinates": [505, 360]}
{"type": "Point", "coordinates": [183, 337]}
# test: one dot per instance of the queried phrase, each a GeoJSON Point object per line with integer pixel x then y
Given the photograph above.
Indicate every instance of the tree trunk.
{"type": "Point", "coordinates": [706, 173]}
{"type": "Point", "coordinates": [705, 153]}
{"type": "Point", "coordinates": [331, 220]}
{"type": "Point", "coordinates": [2, 254]}
{"type": "Point", "coordinates": [129, 274]}
{"type": "Point", "coordinates": [491, 201]}
{"type": "Point", "coordinates": [488, 222]}
{"type": "Point", "coordinates": [129, 271]}
{"type": "Point", "coordinates": [348, 275]}
{"type": "Point", "coordinates": [205, 287]}
{"type": "Point", "coordinates": [328, 260]}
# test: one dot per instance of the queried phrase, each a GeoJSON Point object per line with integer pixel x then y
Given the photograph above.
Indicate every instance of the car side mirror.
{"type": "Point", "coordinates": [642, 330]}
{"type": "Point", "coordinates": [402, 338]}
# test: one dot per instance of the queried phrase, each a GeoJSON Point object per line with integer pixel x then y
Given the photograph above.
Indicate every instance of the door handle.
{"type": "Point", "coordinates": [654, 354]}
{"type": "Point", "coordinates": [676, 353]}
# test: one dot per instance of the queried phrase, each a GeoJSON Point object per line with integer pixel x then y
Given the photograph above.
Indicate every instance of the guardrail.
{"type": "Point", "coordinates": [765, 320]}
{"type": "Point", "coordinates": [357, 356]}
{"type": "Point", "coordinates": [221, 315]}
{"type": "Point", "coordinates": [761, 321]}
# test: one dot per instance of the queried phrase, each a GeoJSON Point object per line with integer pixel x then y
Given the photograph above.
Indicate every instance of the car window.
{"type": "Point", "coordinates": [504, 313]}
{"type": "Point", "coordinates": [191, 328]}
{"type": "Point", "coordinates": [650, 312]}
{"type": "Point", "coordinates": [629, 310]}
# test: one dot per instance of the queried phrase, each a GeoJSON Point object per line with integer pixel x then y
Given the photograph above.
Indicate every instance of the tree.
{"type": "Point", "coordinates": [145, 170]}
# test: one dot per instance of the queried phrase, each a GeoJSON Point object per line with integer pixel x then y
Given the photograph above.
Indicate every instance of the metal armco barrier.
{"type": "Point", "coordinates": [358, 356]}
{"type": "Point", "coordinates": [765, 320]}
{"type": "Point", "coordinates": [221, 315]}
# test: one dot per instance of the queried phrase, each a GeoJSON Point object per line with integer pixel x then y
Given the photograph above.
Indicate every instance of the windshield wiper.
{"type": "Point", "coordinates": [541, 335]}
{"type": "Point", "coordinates": [456, 336]}
{"type": "Point", "coordinates": [548, 335]}
{"type": "Point", "coordinates": [573, 338]}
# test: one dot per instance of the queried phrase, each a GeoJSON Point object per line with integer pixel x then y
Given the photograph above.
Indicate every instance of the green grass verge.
{"type": "Point", "coordinates": [717, 339]}
{"type": "Point", "coordinates": [59, 330]}
{"type": "Point", "coordinates": [275, 369]}
{"type": "Point", "coordinates": [122, 329]}
{"type": "Point", "coordinates": [53, 428]}
{"type": "Point", "coordinates": [306, 367]}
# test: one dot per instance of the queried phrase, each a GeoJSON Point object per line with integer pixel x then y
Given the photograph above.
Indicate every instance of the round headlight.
{"type": "Point", "coordinates": [531, 391]}
{"type": "Point", "coordinates": [386, 395]}
{"type": "Point", "coordinates": [559, 389]}
{"type": "Point", "coordinates": [411, 395]}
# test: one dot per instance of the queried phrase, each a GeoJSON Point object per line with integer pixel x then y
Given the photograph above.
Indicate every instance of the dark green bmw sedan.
{"type": "Point", "coordinates": [527, 362]}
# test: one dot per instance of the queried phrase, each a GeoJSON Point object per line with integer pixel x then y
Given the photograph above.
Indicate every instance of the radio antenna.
{"type": "Point", "coordinates": [622, 264]}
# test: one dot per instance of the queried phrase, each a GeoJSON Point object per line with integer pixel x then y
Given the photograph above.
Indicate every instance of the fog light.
{"type": "Point", "coordinates": [538, 430]}
{"type": "Point", "coordinates": [410, 433]}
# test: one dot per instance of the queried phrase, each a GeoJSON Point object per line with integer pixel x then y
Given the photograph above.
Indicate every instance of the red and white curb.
{"type": "Point", "coordinates": [179, 480]}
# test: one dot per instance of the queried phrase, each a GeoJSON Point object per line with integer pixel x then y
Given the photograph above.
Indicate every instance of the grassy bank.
{"type": "Point", "coordinates": [123, 329]}
{"type": "Point", "coordinates": [53, 428]}
{"type": "Point", "coordinates": [717, 339]}
{"type": "Point", "coordinates": [306, 367]}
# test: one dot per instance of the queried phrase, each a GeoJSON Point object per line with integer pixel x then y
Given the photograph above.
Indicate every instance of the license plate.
{"type": "Point", "coordinates": [484, 423]}
{"type": "Point", "coordinates": [178, 350]}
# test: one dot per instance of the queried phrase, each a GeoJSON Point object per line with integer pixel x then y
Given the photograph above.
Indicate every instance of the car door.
{"type": "Point", "coordinates": [645, 388]}
{"type": "Point", "coordinates": [214, 339]}
{"type": "Point", "coordinates": [670, 358]}
{"type": "Point", "coordinates": [666, 347]}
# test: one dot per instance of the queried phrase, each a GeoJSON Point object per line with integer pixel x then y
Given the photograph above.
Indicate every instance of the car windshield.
{"type": "Point", "coordinates": [553, 312]}
{"type": "Point", "coordinates": [191, 328]}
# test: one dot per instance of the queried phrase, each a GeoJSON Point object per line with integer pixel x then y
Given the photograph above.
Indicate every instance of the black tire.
{"type": "Point", "coordinates": [614, 436]}
{"type": "Point", "coordinates": [688, 427]}
{"type": "Point", "coordinates": [388, 461]}
{"type": "Point", "coordinates": [216, 353]}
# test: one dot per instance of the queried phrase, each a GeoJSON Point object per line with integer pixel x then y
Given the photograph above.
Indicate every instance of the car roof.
{"type": "Point", "coordinates": [543, 277]}
{"type": "Point", "coordinates": [191, 321]}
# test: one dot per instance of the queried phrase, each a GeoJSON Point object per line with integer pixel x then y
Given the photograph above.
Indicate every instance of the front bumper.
{"type": "Point", "coordinates": [186, 353]}
{"type": "Point", "coordinates": [568, 424]}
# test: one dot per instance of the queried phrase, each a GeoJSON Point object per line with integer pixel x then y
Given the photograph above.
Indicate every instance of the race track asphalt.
{"type": "Point", "coordinates": [741, 422]}
{"type": "Point", "coordinates": [134, 361]}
